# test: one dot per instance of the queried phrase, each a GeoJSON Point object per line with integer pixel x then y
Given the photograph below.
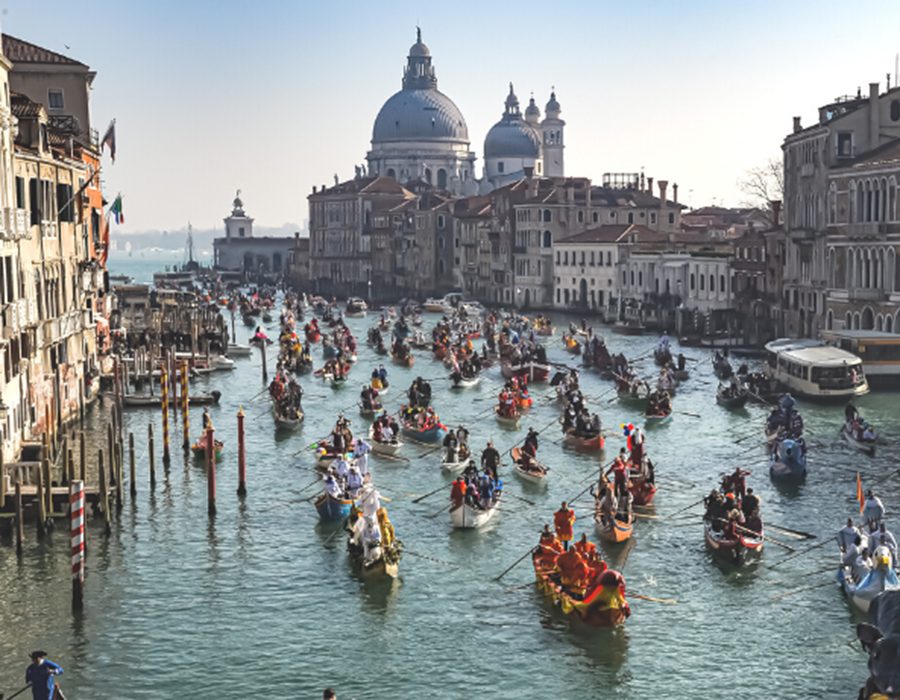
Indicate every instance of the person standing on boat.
{"type": "Point", "coordinates": [451, 447]}
{"type": "Point", "coordinates": [885, 537]}
{"type": "Point", "coordinates": [873, 510]}
{"type": "Point", "coordinates": [362, 456]}
{"type": "Point", "coordinates": [490, 460]}
{"type": "Point", "coordinates": [207, 421]}
{"type": "Point", "coordinates": [458, 492]}
{"type": "Point", "coordinates": [41, 676]}
{"type": "Point", "coordinates": [564, 522]}
{"type": "Point", "coordinates": [750, 503]}
{"type": "Point", "coordinates": [847, 535]}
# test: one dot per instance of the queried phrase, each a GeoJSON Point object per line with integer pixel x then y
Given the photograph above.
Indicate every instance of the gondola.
{"type": "Point", "coordinates": [730, 402]}
{"type": "Point", "coordinates": [537, 474]}
{"type": "Point", "coordinates": [616, 531]}
{"type": "Point", "coordinates": [592, 443]}
{"type": "Point", "coordinates": [389, 449]}
{"type": "Point", "coordinates": [734, 551]}
{"type": "Point", "coordinates": [331, 509]}
{"type": "Point", "coordinates": [605, 606]}
{"type": "Point", "coordinates": [283, 422]}
{"type": "Point", "coordinates": [722, 367]}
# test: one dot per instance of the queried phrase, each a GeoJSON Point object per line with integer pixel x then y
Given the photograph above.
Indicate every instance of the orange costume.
{"type": "Point", "coordinates": [586, 548]}
{"type": "Point", "coordinates": [458, 492]}
{"type": "Point", "coordinates": [564, 522]}
{"type": "Point", "coordinates": [573, 571]}
{"type": "Point", "coordinates": [549, 548]}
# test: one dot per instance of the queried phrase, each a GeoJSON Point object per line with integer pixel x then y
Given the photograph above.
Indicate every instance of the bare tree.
{"type": "Point", "coordinates": [762, 184]}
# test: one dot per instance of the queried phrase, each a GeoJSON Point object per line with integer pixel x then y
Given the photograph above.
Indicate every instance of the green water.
{"type": "Point", "coordinates": [260, 601]}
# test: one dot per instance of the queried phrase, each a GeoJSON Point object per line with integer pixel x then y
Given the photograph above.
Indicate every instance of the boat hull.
{"type": "Point", "coordinates": [332, 510]}
{"type": "Point", "coordinates": [532, 476]}
{"type": "Point", "coordinates": [616, 532]}
{"type": "Point", "coordinates": [468, 518]}
{"type": "Point", "coordinates": [736, 551]}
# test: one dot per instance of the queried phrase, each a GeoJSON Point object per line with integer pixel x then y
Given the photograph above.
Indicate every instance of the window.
{"type": "Point", "coordinates": [20, 192]}
{"type": "Point", "coordinates": [500, 167]}
{"type": "Point", "coordinates": [241, 232]}
{"type": "Point", "coordinates": [548, 239]}
{"type": "Point", "coordinates": [844, 144]}
{"type": "Point", "coordinates": [895, 110]}
{"type": "Point", "coordinates": [35, 201]}
{"type": "Point", "coordinates": [582, 258]}
{"type": "Point", "coordinates": [595, 217]}
{"type": "Point", "coordinates": [671, 217]}
{"type": "Point", "coordinates": [65, 201]}
{"type": "Point", "coordinates": [701, 282]}
{"type": "Point", "coordinates": [558, 258]}
{"type": "Point", "coordinates": [630, 217]}
{"type": "Point", "coordinates": [721, 283]}
{"type": "Point", "coordinates": [580, 217]}
{"type": "Point", "coordinates": [608, 258]}
{"type": "Point", "coordinates": [547, 215]}
{"type": "Point", "coordinates": [566, 258]}
{"type": "Point", "coordinates": [55, 98]}
{"type": "Point", "coordinates": [539, 167]}
{"type": "Point", "coordinates": [712, 283]}
{"type": "Point", "coordinates": [592, 259]}
{"type": "Point", "coordinates": [652, 217]}
{"type": "Point", "coordinates": [441, 221]}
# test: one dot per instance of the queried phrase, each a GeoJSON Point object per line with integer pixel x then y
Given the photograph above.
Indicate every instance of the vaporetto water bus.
{"type": "Point", "coordinates": [815, 370]}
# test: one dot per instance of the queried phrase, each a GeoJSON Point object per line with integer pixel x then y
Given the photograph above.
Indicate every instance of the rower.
{"type": "Point", "coordinates": [619, 469]}
{"type": "Point", "coordinates": [607, 504]}
{"type": "Point", "coordinates": [750, 503]}
{"type": "Point", "coordinates": [458, 492]}
{"type": "Point", "coordinates": [531, 442]}
{"type": "Point", "coordinates": [462, 436]}
{"type": "Point", "coordinates": [873, 510]}
{"type": "Point", "coordinates": [490, 459]}
{"type": "Point", "coordinates": [451, 445]}
{"type": "Point", "coordinates": [361, 451]}
{"type": "Point", "coordinates": [564, 521]}
{"type": "Point", "coordinates": [847, 535]}
{"type": "Point", "coordinates": [885, 537]}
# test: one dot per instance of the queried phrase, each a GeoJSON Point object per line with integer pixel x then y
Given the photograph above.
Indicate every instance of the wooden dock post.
{"type": "Point", "coordinates": [132, 468]}
{"type": "Point", "coordinates": [211, 470]}
{"type": "Point", "coordinates": [120, 473]}
{"type": "Point", "coordinates": [150, 453]}
{"type": "Point", "coordinates": [70, 464]}
{"type": "Point", "coordinates": [185, 407]}
{"type": "Point", "coordinates": [242, 456]}
{"type": "Point", "coordinates": [104, 493]}
{"type": "Point", "coordinates": [165, 416]}
{"type": "Point", "coordinates": [111, 453]}
{"type": "Point", "coordinates": [76, 524]}
{"type": "Point", "coordinates": [20, 525]}
{"type": "Point", "coordinates": [42, 512]}
{"type": "Point", "coordinates": [262, 351]}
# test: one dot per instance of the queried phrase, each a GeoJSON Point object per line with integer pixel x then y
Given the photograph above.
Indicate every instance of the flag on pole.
{"type": "Point", "coordinates": [116, 209]}
{"type": "Point", "coordinates": [859, 493]}
{"type": "Point", "coordinates": [109, 140]}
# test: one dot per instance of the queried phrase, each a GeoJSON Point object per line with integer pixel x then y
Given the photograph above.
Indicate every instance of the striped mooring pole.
{"type": "Point", "coordinates": [76, 518]}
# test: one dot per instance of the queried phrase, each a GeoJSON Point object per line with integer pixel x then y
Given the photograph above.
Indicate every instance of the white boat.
{"type": "Point", "coordinates": [235, 350]}
{"type": "Point", "coordinates": [384, 448]}
{"type": "Point", "coordinates": [467, 517]}
{"type": "Point", "coordinates": [535, 476]}
{"type": "Point", "coordinates": [861, 444]}
{"type": "Point", "coordinates": [458, 463]}
{"type": "Point", "coordinates": [465, 383]}
{"type": "Point", "coordinates": [507, 421]}
{"type": "Point", "coordinates": [815, 370]}
{"type": "Point", "coordinates": [221, 362]}
{"type": "Point", "coordinates": [436, 306]}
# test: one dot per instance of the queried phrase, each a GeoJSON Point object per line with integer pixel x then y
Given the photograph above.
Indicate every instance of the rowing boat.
{"type": "Point", "coordinates": [235, 350]}
{"type": "Point", "coordinates": [283, 422]}
{"type": "Point", "coordinates": [331, 509]}
{"type": "Point", "coordinates": [462, 458]}
{"type": "Point", "coordinates": [433, 434]}
{"type": "Point", "coordinates": [389, 449]}
{"type": "Point", "coordinates": [468, 517]}
{"type": "Point", "coordinates": [616, 531]}
{"type": "Point", "coordinates": [370, 413]}
{"type": "Point", "coordinates": [136, 401]}
{"type": "Point", "coordinates": [737, 401]}
{"type": "Point", "coordinates": [605, 606]}
{"type": "Point", "coordinates": [657, 419]}
{"type": "Point", "coordinates": [199, 448]}
{"type": "Point", "coordinates": [592, 443]}
{"type": "Point", "coordinates": [507, 421]}
{"type": "Point", "coordinates": [465, 382]}
{"type": "Point", "coordinates": [735, 551]}
{"type": "Point", "coordinates": [861, 444]}
{"type": "Point", "coordinates": [537, 474]}
{"type": "Point", "coordinates": [534, 371]}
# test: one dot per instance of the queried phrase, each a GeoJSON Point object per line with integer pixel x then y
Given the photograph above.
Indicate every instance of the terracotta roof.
{"type": "Point", "coordinates": [19, 51]}
{"type": "Point", "coordinates": [615, 233]}
{"type": "Point", "coordinates": [885, 154]}
{"type": "Point", "coordinates": [372, 184]}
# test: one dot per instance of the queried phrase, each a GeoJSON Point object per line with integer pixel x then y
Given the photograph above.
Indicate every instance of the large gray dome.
{"type": "Point", "coordinates": [419, 115]}
{"type": "Point", "coordinates": [512, 138]}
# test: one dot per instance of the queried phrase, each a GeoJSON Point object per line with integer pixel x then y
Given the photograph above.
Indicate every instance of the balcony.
{"type": "Point", "coordinates": [48, 229]}
{"type": "Point", "coordinates": [10, 317]}
{"type": "Point", "coordinates": [868, 295]}
{"type": "Point", "coordinates": [871, 229]}
{"type": "Point", "coordinates": [21, 223]}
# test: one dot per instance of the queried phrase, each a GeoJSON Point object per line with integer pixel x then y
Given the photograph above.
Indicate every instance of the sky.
{"type": "Point", "coordinates": [275, 96]}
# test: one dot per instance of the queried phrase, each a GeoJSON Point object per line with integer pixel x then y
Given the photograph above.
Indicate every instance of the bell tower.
{"type": "Point", "coordinates": [553, 129]}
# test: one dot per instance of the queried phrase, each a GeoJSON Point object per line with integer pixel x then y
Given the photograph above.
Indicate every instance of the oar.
{"type": "Point", "coordinates": [514, 564]}
{"type": "Point", "coordinates": [430, 558]}
{"type": "Point", "coordinates": [799, 554]}
{"type": "Point", "coordinates": [442, 487]}
{"type": "Point", "coordinates": [766, 538]}
{"type": "Point", "coordinates": [693, 505]}
{"type": "Point", "coordinates": [688, 413]}
{"type": "Point", "coordinates": [664, 601]}
{"type": "Point", "coordinates": [796, 533]}
{"type": "Point", "coordinates": [445, 508]}
{"type": "Point", "coordinates": [258, 394]}
{"type": "Point", "coordinates": [525, 500]}
{"type": "Point", "coordinates": [392, 458]}
{"type": "Point", "coordinates": [312, 483]}
{"type": "Point", "coordinates": [18, 692]}
{"type": "Point", "coordinates": [782, 596]}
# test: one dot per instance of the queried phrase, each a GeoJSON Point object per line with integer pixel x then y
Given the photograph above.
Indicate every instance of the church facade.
{"type": "Point", "coordinates": [421, 135]}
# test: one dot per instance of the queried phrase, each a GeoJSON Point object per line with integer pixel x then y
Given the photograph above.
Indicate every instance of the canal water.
{"type": "Point", "coordinates": [260, 601]}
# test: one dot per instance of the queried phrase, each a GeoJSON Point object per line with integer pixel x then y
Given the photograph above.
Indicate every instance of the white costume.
{"type": "Point", "coordinates": [846, 536]}
{"type": "Point", "coordinates": [873, 511]}
{"type": "Point", "coordinates": [362, 456]}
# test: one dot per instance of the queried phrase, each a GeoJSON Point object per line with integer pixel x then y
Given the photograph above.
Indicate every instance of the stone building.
{"type": "Point", "coordinates": [848, 130]}
{"type": "Point", "coordinates": [256, 257]}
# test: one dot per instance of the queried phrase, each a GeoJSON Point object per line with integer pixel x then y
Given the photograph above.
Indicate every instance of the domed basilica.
{"type": "Point", "coordinates": [420, 133]}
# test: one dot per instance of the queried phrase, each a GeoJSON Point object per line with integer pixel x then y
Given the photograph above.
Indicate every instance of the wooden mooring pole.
{"type": "Point", "coordinates": [150, 454]}
{"type": "Point", "coordinates": [211, 470]}
{"type": "Point", "coordinates": [132, 471]}
{"type": "Point", "coordinates": [165, 416]}
{"type": "Point", "coordinates": [242, 455]}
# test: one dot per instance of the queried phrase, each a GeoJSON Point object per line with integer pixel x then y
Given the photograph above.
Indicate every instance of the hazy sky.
{"type": "Point", "coordinates": [274, 96]}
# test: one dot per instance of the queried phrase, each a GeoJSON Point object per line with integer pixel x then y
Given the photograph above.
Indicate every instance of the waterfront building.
{"type": "Point", "coordinates": [257, 257]}
{"type": "Point", "coordinates": [54, 303]}
{"type": "Point", "coordinates": [851, 275]}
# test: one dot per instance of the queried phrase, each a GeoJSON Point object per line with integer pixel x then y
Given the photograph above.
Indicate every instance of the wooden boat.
{"type": "Point", "coordinates": [881, 578]}
{"type": "Point", "coordinates": [282, 422]}
{"type": "Point", "coordinates": [535, 476]}
{"type": "Point", "coordinates": [465, 382]}
{"type": "Point", "coordinates": [331, 509]}
{"type": "Point", "coordinates": [730, 402]}
{"type": "Point", "coordinates": [389, 449]}
{"type": "Point", "coordinates": [544, 330]}
{"type": "Point", "coordinates": [534, 371]}
{"type": "Point", "coordinates": [636, 393]}
{"type": "Point", "coordinates": [604, 607]}
{"type": "Point", "coordinates": [235, 350]}
{"type": "Point", "coordinates": [313, 336]}
{"type": "Point", "coordinates": [507, 421]}
{"type": "Point", "coordinates": [407, 360]}
{"type": "Point", "coordinates": [594, 443]}
{"type": "Point", "coordinates": [657, 419]}
{"type": "Point", "coordinates": [467, 517]}
{"type": "Point", "coordinates": [735, 551]}
{"type": "Point", "coordinates": [722, 368]}
{"type": "Point", "coordinates": [865, 446]}
{"type": "Point", "coordinates": [198, 449]}
{"type": "Point", "coordinates": [433, 434]}
{"type": "Point", "coordinates": [571, 344]}
{"type": "Point", "coordinates": [137, 401]}
{"type": "Point", "coordinates": [370, 413]}
{"type": "Point", "coordinates": [615, 532]}
{"type": "Point", "coordinates": [662, 356]}
{"type": "Point", "coordinates": [642, 490]}
{"type": "Point", "coordinates": [682, 375]}
{"type": "Point", "coordinates": [463, 459]}
{"type": "Point", "coordinates": [386, 566]}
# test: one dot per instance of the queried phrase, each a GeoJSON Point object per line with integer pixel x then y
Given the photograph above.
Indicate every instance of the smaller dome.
{"type": "Point", "coordinates": [419, 49]}
{"type": "Point", "coordinates": [512, 102]}
{"type": "Point", "coordinates": [512, 139]}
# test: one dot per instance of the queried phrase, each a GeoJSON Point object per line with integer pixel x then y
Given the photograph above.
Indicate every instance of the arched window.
{"type": "Point", "coordinates": [848, 321]}
{"type": "Point", "coordinates": [721, 283]}
{"type": "Point", "coordinates": [547, 215]}
{"type": "Point", "coordinates": [428, 175]}
{"type": "Point", "coordinates": [693, 282]}
{"type": "Point", "coordinates": [392, 173]}
{"type": "Point", "coordinates": [712, 283]}
{"type": "Point", "coordinates": [889, 323]}
{"type": "Point", "coordinates": [702, 282]}
{"type": "Point", "coordinates": [548, 239]}
{"type": "Point", "coordinates": [829, 320]}
{"type": "Point", "coordinates": [442, 178]}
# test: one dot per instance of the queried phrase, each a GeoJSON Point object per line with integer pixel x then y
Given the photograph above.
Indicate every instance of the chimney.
{"type": "Point", "coordinates": [642, 182]}
{"type": "Point", "coordinates": [529, 171]}
{"type": "Point", "coordinates": [797, 126]}
{"type": "Point", "coordinates": [775, 204]}
{"type": "Point", "coordinates": [663, 184]}
{"type": "Point", "coordinates": [675, 192]}
{"type": "Point", "coordinates": [650, 186]}
{"type": "Point", "coordinates": [874, 120]}
{"type": "Point", "coordinates": [314, 189]}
